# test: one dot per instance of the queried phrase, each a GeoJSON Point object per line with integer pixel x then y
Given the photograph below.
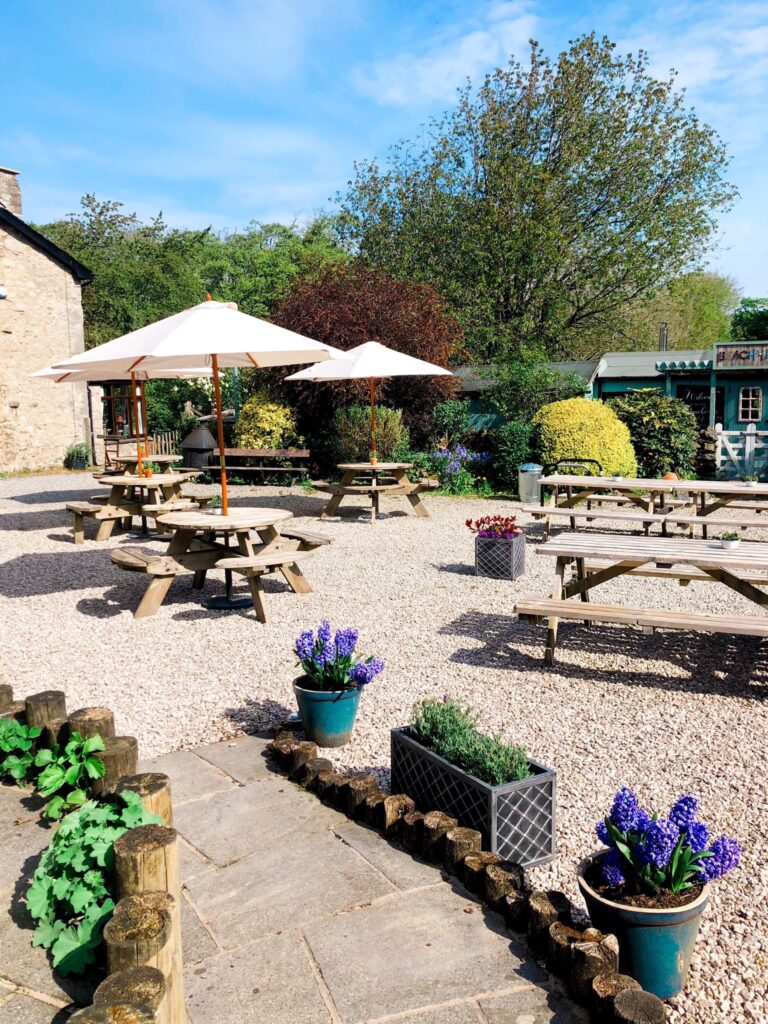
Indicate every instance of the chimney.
{"type": "Point", "coordinates": [664, 336]}
{"type": "Point", "coordinates": [10, 193]}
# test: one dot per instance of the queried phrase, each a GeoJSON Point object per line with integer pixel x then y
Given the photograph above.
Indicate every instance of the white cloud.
{"type": "Point", "coordinates": [436, 70]}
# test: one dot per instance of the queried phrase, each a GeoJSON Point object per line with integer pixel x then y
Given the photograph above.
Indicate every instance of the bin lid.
{"type": "Point", "coordinates": [530, 467]}
{"type": "Point", "coordinates": [201, 439]}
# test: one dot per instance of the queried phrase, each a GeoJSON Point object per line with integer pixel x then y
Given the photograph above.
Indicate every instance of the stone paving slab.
{"type": "Point", "coordinates": [529, 1006]}
{"type": "Point", "coordinates": [21, 1009]}
{"type": "Point", "coordinates": [429, 946]}
{"type": "Point", "coordinates": [242, 758]}
{"type": "Point", "coordinates": [401, 869]}
{"type": "Point", "coordinates": [197, 943]}
{"type": "Point", "coordinates": [191, 777]}
{"type": "Point", "coordinates": [253, 819]}
{"type": "Point", "coordinates": [267, 982]}
{"type": "Point", "coordinates": [285, 885]}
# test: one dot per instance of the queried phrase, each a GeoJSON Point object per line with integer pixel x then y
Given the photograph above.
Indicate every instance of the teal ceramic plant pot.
{"type": "Point", "coordinates": [655, 946]}
{"type": "Point", "coordinates": [328, 716]}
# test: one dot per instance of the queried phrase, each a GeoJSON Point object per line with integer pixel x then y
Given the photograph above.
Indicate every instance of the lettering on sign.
{"type": "Point", "coordinates": [752, 355]}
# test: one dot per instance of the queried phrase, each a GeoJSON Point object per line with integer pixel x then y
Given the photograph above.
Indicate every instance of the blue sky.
{"type": "Point", "coordinates": [222, 111]}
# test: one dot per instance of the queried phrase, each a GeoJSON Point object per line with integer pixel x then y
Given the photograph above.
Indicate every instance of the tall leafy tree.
{"type": "Point", "coordinates": [750, 320]}
{"type": "Point", "coordinates": [697, 307]}
{"type": "Point", "coordinates": [548, 200]}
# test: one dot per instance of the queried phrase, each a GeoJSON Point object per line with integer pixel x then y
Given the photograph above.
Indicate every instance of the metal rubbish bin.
{"type": "Point", "coordinates": [528, 476]}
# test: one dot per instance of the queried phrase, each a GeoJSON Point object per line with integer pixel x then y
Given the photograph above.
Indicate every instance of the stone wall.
{"type": "Point", "coordinates": [41, 322]}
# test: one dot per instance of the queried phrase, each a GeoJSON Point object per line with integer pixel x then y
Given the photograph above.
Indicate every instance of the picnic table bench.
{"type": "Point", "coordinates": [375, 479]}
{"type": "Point", "coordinates": [646, 519]}
{"type": "Point", "coordinates": [743, 570]}
{"type": "Point", "coordinates": [270, 460]}
{"type": "Point", "coordinates": [127, 497]}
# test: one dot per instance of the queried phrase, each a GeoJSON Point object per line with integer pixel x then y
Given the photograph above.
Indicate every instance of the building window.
{"type": "Point", "coordinates": [750, 404]}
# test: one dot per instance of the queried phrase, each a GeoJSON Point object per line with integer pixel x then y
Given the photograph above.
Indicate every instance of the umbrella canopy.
{"type": "Point", "coordinates": [373, 361]}
{"type": "Point", "coordinates": [210, 334]}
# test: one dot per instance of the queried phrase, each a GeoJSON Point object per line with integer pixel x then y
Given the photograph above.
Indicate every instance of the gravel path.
{"type": "Point", "coordinates": [670, 713]}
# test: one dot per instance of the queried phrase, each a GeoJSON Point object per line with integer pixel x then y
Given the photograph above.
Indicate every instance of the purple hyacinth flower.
{"type": "Point", "coordinates": [363, 673]}
{"type": "Point", "coordinates": [683, 812]}
{"type": "Point", "coordinates": [624, 810]}
{"type": "Point", "coordinates": [601, 831]}
{"type": "Point", "coordinates": [305, 644]}
{"type": "Point", "coordinates": [697, 835]}
{"type": "Point", "coordinates": [643, 820]}
{"type": "Point", "coordinates": [726, 854]}
{"type": "Point", "coordinates": [658, 843]}
{"type": "Point", "coordinates": [612, 869]}
{"type": "Point", "coordinates": [345, 642]}
{"type": "Point", "coordinates": [324, 632]}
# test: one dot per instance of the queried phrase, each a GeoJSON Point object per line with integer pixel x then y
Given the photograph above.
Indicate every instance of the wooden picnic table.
{"type": "Point", "coordinates": [598, 558]}
{"type": "Point", "coordinates": [200, 543]}
{"type": "Point", "coordinates": [659, 498]}
{"type": "Point", "coordinates": [130, 462]}
{"type": "Point", "coordinates": [375, 479]}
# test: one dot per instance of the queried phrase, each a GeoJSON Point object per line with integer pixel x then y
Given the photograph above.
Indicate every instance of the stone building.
{"type": "Point", "coordinates": [41, 322]}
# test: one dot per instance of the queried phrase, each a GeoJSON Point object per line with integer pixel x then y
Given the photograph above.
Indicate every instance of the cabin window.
{"type": "Point", "coordinates": [750, 404]}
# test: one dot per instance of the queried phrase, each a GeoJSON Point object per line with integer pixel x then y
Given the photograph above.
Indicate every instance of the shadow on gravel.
{"type": "Point", "coordinates": [59, 497]}
{"type": "Point", "coordinates": [255, 716]}
{"type": "Point", "coordinates": [55, 572]}
{"type": "Point", "coordinates": [17, 521]}
{"type": "Point", "coordinates": [459, 568]}
{"type": "Point", "coordinates": [716, 663]}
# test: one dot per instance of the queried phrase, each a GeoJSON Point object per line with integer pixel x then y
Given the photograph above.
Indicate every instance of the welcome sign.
{"type": "Point", "coordinates": [748, 355]}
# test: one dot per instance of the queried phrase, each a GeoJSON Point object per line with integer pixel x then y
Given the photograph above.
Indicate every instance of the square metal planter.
{"type": "Point", "coordinates": [517, 820]}
{"type": "Point", "coordinates": [502, 558]}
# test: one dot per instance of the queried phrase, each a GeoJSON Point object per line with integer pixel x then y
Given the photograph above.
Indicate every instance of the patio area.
{"type": "Point", "coordinates": [667, 713]}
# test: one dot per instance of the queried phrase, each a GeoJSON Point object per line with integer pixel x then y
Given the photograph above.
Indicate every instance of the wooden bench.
{"type": "Point", "coordinates": [646, 519]}
{"type": "Point", "coordinates": [683, 575]}
{"type": "Point", "coordinates": [105, 515]}
{"type": "Point", "coordinates": [253, 567]}
{"type": "Point", "coordinates": [267, 461]}
{"type": "Point", "coordinates": [307, 540]}
{"type": "Point", "coordinates": [649, 618]}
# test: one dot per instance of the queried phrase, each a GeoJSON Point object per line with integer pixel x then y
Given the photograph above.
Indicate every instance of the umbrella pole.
{"type": "Point", "coordinates": [220, 424]}
{"type": "Point", "coordinates": [136, 422]}
{"type": "Point", "coordinates": [372, 384]}
{"type": "Point", "coordinates": [144, 417]}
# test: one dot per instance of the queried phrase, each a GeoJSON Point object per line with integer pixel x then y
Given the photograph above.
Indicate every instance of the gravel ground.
{"type": "Point", "coordinates": [670, 713]}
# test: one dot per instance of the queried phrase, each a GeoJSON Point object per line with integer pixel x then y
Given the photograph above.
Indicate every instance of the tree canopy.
{"type": "Point", "coordinates": [548, 200]}
{"type": "Point", "coordinates": [750, 320]}
{"type": "Point", "coordinates": [698, 308]}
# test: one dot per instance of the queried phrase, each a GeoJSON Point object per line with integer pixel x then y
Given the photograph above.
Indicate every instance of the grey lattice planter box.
{"type": "Point", "coordinates": [500, 557]}
{"type": "Point", "coordinates": [517, 820]}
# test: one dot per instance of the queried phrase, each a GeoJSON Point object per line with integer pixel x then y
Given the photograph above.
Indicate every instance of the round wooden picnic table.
{"type": "Point", "coordinates": [374, 467]}
{"type": "Point", "coordinates": [395, 482]}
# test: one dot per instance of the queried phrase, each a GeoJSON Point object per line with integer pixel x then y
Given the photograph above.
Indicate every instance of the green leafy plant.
{"type": "Point", "coordinates": [581, 428]}
{"type": "Point", "coordinates": [664, 431]}
{"type": "Point", "coordinates": [352, 430]}
{"type": "Point", "coordinates": [730, 535]}
{"type": "Point", "coordinates": [450, 730]}
{"type": "Point", "coordinates": [17, 749]}
{"type": "Point", "coordinates": [511, 448]}
{"type": "Point", "coordinates": [215, 501]}
{"type": "Point", "coordinates": [77, 455]}
{"type": "Point", "coordinates": [264, 423]}
{"type": "Point", "coordinates": [452, 422]}
{"type": "Point", "coordinates": [71, 896]}
{"type": "Point", "coordinates": [751, 478]}
{"type": "Point", "coordinates": [65, 773]}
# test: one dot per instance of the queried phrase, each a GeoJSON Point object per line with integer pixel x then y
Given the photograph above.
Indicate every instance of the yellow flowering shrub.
{"type": "Point", "coordinates": [581, 428]}
{"type": "Point", "coordinates": [266, 424]}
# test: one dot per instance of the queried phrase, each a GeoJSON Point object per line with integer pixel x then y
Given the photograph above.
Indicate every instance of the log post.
{"type": "Point", "coordinates": [14, 710]}
{"type": "Point", "coordinates": [473, 873]}
{"type": "Point", "coordinates": [42, 708]}
{"type": "Point", "coordinates": [120, 757]}
{"type": "Point", "coordinates": [114, 1013]}
{"type": "Point", "coordinates": [515, 910]}
{"type": "Point", "coordinates": [299, 755]}
{"type": "Point", "coordinates": [359, 789]}
{"type": "Point", "coordinates": [281, 747]}
{"type": "Point", "coordinates": [544, 908]}
{"type": "Point", "coordinates": [605, 988]}
{"type": "Point", "coordinates": [412, 831]}
{"type": "Point", "coordinates": [501, 879]}
{"type": "Point", "coordinates": [147, 861]}
{"type": "Point", "coordinates": [311, 769]}
{"type": "Point", "coordinates": [637, 1007]}
{"type": "Point", "coordinates": [155, 792]}
{"type": "Point", "coordinates": [458, 843]}
{"type": "Point", "coordinates": [327, 784]}
{"type": "Point", "coordinates": [140, 986]}
{"type": "Point", "coordinates": [562, 938]}
{"type": "Point", "coordinates": [390, 812]}
{"type": "Point", "coordinates": [436, 824]}
{"type": "Point", "coordinates": [55, 733]}
{"type": "Point", "coordinates": [372, 803]}
{"type": "Point", "coordinates": [6, 696]}
{"type": "Point", "coordinates": [93, 722]}
{"type": "Point", "coordinates": [140, 934]}
{"type": "Point", "coordinates": [588, 959]}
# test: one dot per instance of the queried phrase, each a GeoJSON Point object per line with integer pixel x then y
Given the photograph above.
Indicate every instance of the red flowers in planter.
{"type": "Point", "coordinates": [495, 526]}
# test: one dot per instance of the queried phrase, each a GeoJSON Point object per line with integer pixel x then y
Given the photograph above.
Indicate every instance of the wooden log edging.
{"type": "Point", "coordinates": [144, 984]}
{"type": "Point", "coordinates": [581, 956]}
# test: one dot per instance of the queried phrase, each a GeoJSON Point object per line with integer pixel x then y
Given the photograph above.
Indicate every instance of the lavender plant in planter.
{"type": "Point", "coordinates": [499, 547]}
{"type": "Point", "coordinates": [443, 763]}
{"type": "Point", "coordinates": [650, 887]}
{"type": "Point", "coordinates": [328, 692]}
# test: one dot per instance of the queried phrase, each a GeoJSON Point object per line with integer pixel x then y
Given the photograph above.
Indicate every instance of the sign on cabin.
{"type": "Point", "coordinates": [749, 355]}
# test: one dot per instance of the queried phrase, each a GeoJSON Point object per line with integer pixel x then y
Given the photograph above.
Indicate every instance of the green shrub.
{"type": "Point", "coordinates": [352, 432]}
{"type": "Point", "coordinates": [511, 448]}
{"type": "Point", "coordinates": [77, 455]}
{"type": "Point", "coordinates": [452, 422]}
{"type": "Point", "coordinates": [72, 894]}
{"type": "Point", "coordinates": [664, 431]}
{"type": "Point", "coordinates": [450, 730]}
{"type": "Point", "coordinates": [581, 428]}
{"type": "Point", "coordinates": [265, 424]}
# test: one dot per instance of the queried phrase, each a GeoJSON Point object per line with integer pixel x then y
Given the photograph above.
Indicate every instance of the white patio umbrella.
{"type": "Point", "coordinates": [59, 376]}
{"type": "Point", "coordinates": [211, 334]}
{"type": "Point", "coordinates": [373, 361]}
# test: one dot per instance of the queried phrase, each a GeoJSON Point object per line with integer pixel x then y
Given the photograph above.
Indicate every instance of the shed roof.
{"type": "Point", "coordinates": [80, 272]}
{"type": "Point", "coordinates": [652, 364]}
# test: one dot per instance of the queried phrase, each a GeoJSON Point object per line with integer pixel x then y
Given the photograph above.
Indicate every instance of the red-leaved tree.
{"type": "Point", "coordinates": [348, 304]}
